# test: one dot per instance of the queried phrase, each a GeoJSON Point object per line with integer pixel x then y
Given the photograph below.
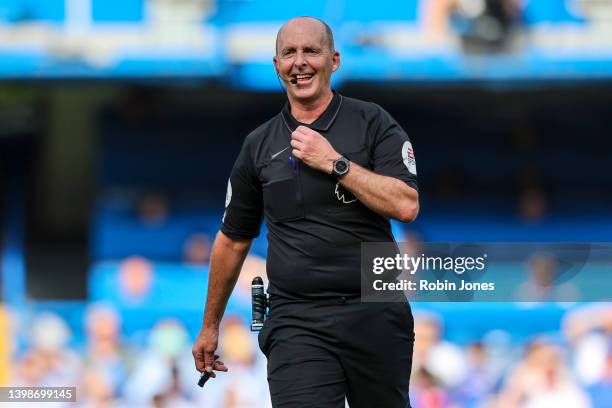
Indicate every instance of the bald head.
{"type": "Point", "coordinates": [305, 22]}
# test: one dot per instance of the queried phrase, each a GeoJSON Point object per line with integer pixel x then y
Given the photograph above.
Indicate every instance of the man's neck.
{"type": "Point", "coordinates": [309, 112]}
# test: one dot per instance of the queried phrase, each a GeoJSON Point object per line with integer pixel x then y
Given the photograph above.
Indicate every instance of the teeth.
{"type": "Point", "coordinates": [303, 76]}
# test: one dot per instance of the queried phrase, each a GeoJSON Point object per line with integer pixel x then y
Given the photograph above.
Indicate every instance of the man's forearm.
{"type": "Point", "coordinates": [227, 257]}
{"type": "Point", "coordinates": [385, 195]}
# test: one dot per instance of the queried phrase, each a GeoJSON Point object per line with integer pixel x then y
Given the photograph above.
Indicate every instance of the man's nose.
{"type": "Point", "coordinates": [300, 59]}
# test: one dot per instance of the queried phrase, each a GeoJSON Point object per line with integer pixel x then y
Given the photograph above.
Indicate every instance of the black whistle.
{"type": "Point", "coordinates": [258, 304]}
{"type": "Point", "coordinates": [204, 376]}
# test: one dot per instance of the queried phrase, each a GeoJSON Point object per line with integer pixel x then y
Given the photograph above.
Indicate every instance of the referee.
{"type": "Point", "coordinates": [327, 172]}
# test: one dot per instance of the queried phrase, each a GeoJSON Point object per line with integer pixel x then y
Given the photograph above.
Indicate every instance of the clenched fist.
{"type": "Point", "coordinates": [313, 149]}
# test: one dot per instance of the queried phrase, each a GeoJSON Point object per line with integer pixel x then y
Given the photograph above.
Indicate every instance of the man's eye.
{"type": "Point", "coordinates": [288, 52]}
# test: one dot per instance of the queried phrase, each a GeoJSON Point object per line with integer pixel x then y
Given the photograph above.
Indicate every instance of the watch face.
{"type": "Point", "coordinates": [341, 167]}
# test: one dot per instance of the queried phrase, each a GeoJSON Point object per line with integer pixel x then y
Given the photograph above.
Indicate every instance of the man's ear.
{"type": "Point", "coordinates": [275, 62]}
{"type": "Point", "coordinates": [335, 61]}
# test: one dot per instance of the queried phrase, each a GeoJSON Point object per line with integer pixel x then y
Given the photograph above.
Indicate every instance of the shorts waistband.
{"type": "Point", "coordinates": [341, 299]}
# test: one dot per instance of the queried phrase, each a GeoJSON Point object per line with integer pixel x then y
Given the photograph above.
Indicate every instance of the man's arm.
{"type": "Point", "coordinates": [227, 257]}
{"type": "Point", "coordinates": [385, 195]}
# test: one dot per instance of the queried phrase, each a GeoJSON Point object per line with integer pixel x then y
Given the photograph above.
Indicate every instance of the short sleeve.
{"type": "Point", "coordinates": [244, 199]}
{"type": "Point", "coordinates": [392, 151]}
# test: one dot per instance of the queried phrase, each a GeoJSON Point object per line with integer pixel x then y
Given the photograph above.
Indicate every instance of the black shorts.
{"type": "Point", "coordinates": [320, 352]}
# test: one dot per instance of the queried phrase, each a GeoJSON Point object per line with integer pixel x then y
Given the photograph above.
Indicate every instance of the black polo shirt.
{"type": "Point", "coordinates": [315, 226]}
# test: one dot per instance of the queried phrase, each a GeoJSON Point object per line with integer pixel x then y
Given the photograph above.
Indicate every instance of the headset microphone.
{"type": "Point", "coordinates": [293, 81]}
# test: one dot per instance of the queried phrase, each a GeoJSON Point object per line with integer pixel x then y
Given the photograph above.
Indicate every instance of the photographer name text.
{"type": "Point", "coordinates": [437, 285]}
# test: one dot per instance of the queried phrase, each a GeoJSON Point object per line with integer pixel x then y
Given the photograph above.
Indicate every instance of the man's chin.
{"type": "Point", "coordinates": [305, 95]}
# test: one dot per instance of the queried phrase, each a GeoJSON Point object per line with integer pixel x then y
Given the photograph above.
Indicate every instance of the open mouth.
{"type": "Point", "coordinates": [303, 78]}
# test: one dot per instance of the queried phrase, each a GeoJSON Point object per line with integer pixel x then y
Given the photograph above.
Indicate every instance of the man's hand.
{"type": "Point", "coordinates": [204, 352]}
{"type": "Point", "coordinates": [313, 149]}
{"type": "Point", "coordinates": [225, 262]}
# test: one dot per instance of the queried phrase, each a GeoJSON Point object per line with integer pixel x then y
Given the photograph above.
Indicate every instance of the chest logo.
{"type": "Point", "coordinates": [277, 153]}
{"type": "Point", "coordinates": [343, 195]}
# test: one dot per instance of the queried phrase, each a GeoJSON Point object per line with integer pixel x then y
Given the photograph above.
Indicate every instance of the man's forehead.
{"type": "Point", "coordinates": [302, 31]}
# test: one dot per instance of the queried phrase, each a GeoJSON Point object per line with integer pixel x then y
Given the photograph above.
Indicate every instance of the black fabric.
{"type": "Point", "coordinates": [244, 197]}
{"type": "Point", "coordinates": [321, 351]}
{"type": "Point", "coordinates": [315, 226]}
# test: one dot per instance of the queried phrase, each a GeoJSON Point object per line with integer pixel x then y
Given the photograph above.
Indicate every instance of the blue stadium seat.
{"type": "Point", "coordinates": [549, 11]}
{"type": "Point", "coordinates": [118, 234]}
{"type": "Point", "coordinates": [379, 10]}
{"type": "Point", "coordinates": [177, 291]}
{"type": "Point", "coordinates": [485, 226]}
{"type": "Point", "coordinates": [32, 10]}
{"type": "Point", "coordinates": [117, 10]}
{"type": "Point", "coordinates": [233, 11]}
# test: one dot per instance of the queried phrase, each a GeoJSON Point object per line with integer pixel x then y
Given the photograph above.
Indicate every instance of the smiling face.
{"type": "Point", "coordinates": [303, 55]}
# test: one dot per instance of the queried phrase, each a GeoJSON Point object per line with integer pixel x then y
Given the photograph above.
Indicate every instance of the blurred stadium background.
{"type": "Point", "coordinates": [120, 121]}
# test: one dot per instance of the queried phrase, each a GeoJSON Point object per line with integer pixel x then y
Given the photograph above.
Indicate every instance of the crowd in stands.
{"type": "Point", "coordinates": [154, 368]}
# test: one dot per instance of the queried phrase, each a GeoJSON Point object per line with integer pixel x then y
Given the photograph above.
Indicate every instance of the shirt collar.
{"type": "Point", "coordinates": [323, 122]}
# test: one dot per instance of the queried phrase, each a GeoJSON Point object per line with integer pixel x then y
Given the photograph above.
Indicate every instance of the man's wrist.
{"type": "Point", "coordinates": [330, 164]}
{"type": "Point", "coordinates": [214, 327]}
{"type": "Point", "coordinates": [341, 167]}
{"type": "Point", "coordinates": [211, 325]}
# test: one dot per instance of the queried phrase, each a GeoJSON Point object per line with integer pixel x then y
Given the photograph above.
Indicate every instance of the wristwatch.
{"type": "Point", "coordinates": [341, 167]}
